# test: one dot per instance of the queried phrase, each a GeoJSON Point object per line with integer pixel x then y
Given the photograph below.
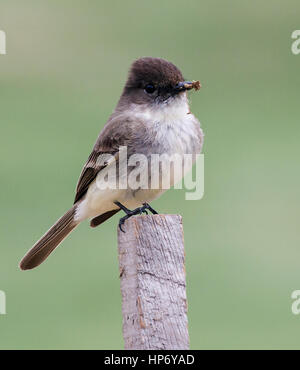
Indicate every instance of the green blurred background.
{"type": "Point", "coordinates": [64, 70]}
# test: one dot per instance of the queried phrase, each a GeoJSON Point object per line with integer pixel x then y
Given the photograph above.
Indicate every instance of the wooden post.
{"type": "Point", "coordinates": [153, 286]}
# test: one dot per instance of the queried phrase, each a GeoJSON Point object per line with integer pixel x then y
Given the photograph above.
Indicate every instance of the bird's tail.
{"type": "Point", "coordinates": [53, 237]}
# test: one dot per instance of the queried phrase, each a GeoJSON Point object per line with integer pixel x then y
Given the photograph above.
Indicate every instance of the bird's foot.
{"type": "Point", "coordinates": [137, 211]}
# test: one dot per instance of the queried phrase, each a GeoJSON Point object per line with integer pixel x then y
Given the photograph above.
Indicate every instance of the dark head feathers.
{"type": "Point", "coordinates": [153, 70]}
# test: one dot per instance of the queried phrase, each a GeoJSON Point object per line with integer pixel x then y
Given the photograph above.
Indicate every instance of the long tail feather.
{"type": "Point", "coordinates": [102, 218]}
{"type": "Point", "coordinates": [53, 237]}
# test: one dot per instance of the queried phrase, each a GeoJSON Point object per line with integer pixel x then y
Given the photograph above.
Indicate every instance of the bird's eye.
{"type": "Point", "coordinates": [150, 88]}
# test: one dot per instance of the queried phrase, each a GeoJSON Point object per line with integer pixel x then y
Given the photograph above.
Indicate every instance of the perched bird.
{"type": "Point", "coordinates": [152, 116]}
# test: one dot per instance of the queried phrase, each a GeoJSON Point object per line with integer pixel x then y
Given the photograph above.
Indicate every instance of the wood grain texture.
{"type": "Point", "coordinates": [153, 285]}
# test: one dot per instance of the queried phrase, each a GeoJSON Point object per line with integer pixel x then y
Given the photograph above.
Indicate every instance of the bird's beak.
{"type": "Point", "coordinates": [187, 85]}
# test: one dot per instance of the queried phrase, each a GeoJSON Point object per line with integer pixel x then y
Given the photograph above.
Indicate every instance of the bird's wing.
{"type": "Point", "coordinates": [88, 174]}
{"type": "Point", "coordinates": [117, 132]}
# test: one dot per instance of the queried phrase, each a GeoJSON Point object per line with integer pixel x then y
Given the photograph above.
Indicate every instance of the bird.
{"type": "Point", "coordinates": [152, 116]}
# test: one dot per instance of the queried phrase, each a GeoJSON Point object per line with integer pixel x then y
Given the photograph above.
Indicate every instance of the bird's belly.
{"type": "Point", "coordinates": [177, 145]}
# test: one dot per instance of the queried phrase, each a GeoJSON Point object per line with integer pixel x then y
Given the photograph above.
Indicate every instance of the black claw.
{"type": "Point", "coordinates": [121, 222]}
{"type": "Point", "coordinates": [137, 211]}
{"type": "Point", "coordinates": [120, 227]}
{"type": "Point", "coordinates": [147, 206]}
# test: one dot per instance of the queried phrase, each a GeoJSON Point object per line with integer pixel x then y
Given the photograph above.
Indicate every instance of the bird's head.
{"type": "Point", "coordinates": [156, 81]}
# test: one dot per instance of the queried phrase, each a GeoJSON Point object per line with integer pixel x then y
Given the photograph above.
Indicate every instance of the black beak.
{"type": "Point", "coordinates": [187, 85]}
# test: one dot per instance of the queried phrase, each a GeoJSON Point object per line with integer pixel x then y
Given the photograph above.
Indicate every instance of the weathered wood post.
{"type": "Point", "coordinates": [153, 285]}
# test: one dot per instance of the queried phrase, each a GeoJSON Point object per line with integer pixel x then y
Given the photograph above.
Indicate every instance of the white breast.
{"type": "Point", "coordinates": [172, 128]}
